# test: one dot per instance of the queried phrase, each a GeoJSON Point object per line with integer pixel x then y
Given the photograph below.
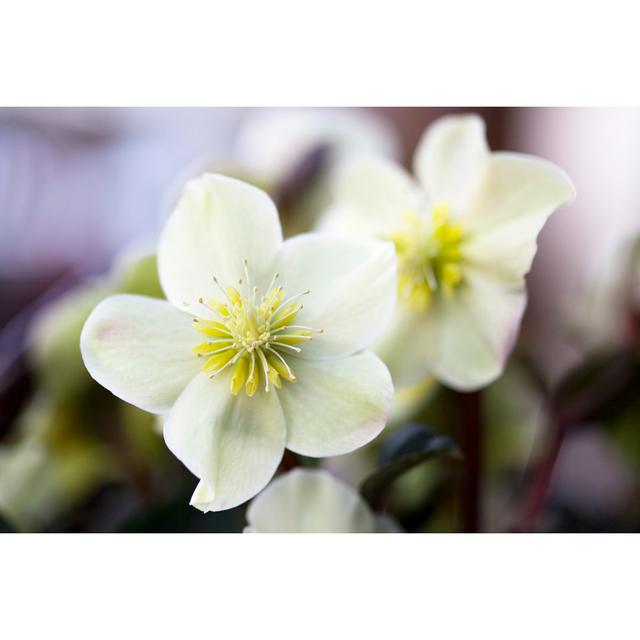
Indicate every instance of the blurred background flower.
{"type": "Point", "coordinates": [552, 445]}
{"type": "Point", "coordinates": [313, 501]}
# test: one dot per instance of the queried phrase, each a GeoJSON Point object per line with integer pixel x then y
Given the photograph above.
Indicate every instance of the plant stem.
{"type": "Point", "coordinates": [536, 499]}
{"type": "Point", "coordinates": [472, 449]}
{"type": "Point", "coordinates": [619, 375]}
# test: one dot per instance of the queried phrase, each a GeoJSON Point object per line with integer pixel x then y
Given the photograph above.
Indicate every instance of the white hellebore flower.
{"type": "Point", "coordinates": [313, 501]}
{"type": "Point", "coordinates": [465, 236]}
{"type": "Point", "coordinates": [236, 363]}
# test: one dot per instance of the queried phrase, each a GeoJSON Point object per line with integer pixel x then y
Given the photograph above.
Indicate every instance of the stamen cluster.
{"type": "Point", "coordinates": [429, 258]}
{"type": "Point", "coordinates": [252, 334]}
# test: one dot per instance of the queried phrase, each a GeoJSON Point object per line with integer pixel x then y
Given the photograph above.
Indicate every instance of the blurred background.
{"type": "Point", "coordinates": [553, 445]}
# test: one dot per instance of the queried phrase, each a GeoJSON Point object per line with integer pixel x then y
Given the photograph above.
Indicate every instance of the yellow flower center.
{"type": "Point", "coordinates": [429, 258]}
{"type": "Point", "coordinates": [252, 334]}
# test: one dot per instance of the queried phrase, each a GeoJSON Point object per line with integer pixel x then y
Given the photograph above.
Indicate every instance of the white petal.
{"type": "Point", "coordinates": [517, 195]}
{"type": "Point", "coordinates": [203, 496]}
{"type": "Point", "coordinates": [371, 197]}
{"type": "Point", "coordinates": [353, 290]}
{"type": "Point", "coordinates": [309, 501]}
{"type": "Point", "coordinates": [463, 340]}
{"type": "Point", "coordinates": [450, 159]}
{"type": "Point", "coordinates": [218, 223]}
{"type": "Point", "coordinates": [407, 347]}
{"type": "Point", "coordinates": [232, 443]}
{"type": "Point", "coordinates": [140, 349]}
{"type": "Point", "coordinates": [336, 406]}
{"type": "Point", "coordinates": [471, 334]}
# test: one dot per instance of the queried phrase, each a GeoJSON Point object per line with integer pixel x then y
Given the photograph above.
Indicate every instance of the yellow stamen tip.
{"type": "Point", "coordinates": [429, 257]}
{"type": "Point", "coordinates": [253, 335]}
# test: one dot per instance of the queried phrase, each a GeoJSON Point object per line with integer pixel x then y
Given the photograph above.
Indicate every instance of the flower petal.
{"type": "Point", "coordinates": [353, 290]}
{"type": "Point", "coordinates": [463, 340]}
{"type": "Point", "coordinates": [232, 443]}
{"type": "Point", "coordinates": [336, 406]}
{"type": "Point", "coordinates": [371, 196]}
{"type": "Point", "coordinates": [476, 331]}
{"type": "Point", "coordinates": [450, 158]}
{"type": "Point", "coordinates": [140, 349]}
{"type": "Point", "coordinates": [310, 501]}
{"type": "Point", "coordinates": [406, 346]}
{"type": "Point", "coordinates": [218, 223]}
{"type": "Point", "coordinates": [517, 195]}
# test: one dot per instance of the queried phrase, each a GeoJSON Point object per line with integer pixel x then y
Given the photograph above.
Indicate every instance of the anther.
{"type": "Point", "coordinates": [276, 275]}
{"type": "Point", "coordinates": [224, 293]}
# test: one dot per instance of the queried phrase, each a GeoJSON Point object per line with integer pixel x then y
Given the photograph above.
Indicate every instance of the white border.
{"type": "Point", "coordinates": [201, 52]}
{"type": "Point", "coordinates": [311, 586]}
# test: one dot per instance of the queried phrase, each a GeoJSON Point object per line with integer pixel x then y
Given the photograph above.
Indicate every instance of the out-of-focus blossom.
{"type": "Point", "coordinates": [313, 501]}
{"type": "Point", "coordinates": [291, 152]}
{"type": "Point", "coordinates": [238, 364]}
{"type": "Point", "coordinates": [55, 459]}
{"type": "Point", "coordinates": [465, 238]}
{"type": "Point", "coordinates": [272, 143]}
{"type": "Point", "coordinates": [49, 467]}
{"type": "Point", "coordinates": [610, 315]}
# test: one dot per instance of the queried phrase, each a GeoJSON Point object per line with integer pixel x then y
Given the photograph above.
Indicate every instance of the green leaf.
{"type": "Point", "coordinates": [139, 275]}
{"type": "Point", "coordinates": [406, 448]}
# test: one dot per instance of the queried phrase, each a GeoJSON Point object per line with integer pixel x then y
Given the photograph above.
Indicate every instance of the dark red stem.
{"type": "Point", "coordinates": [471, 441]}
